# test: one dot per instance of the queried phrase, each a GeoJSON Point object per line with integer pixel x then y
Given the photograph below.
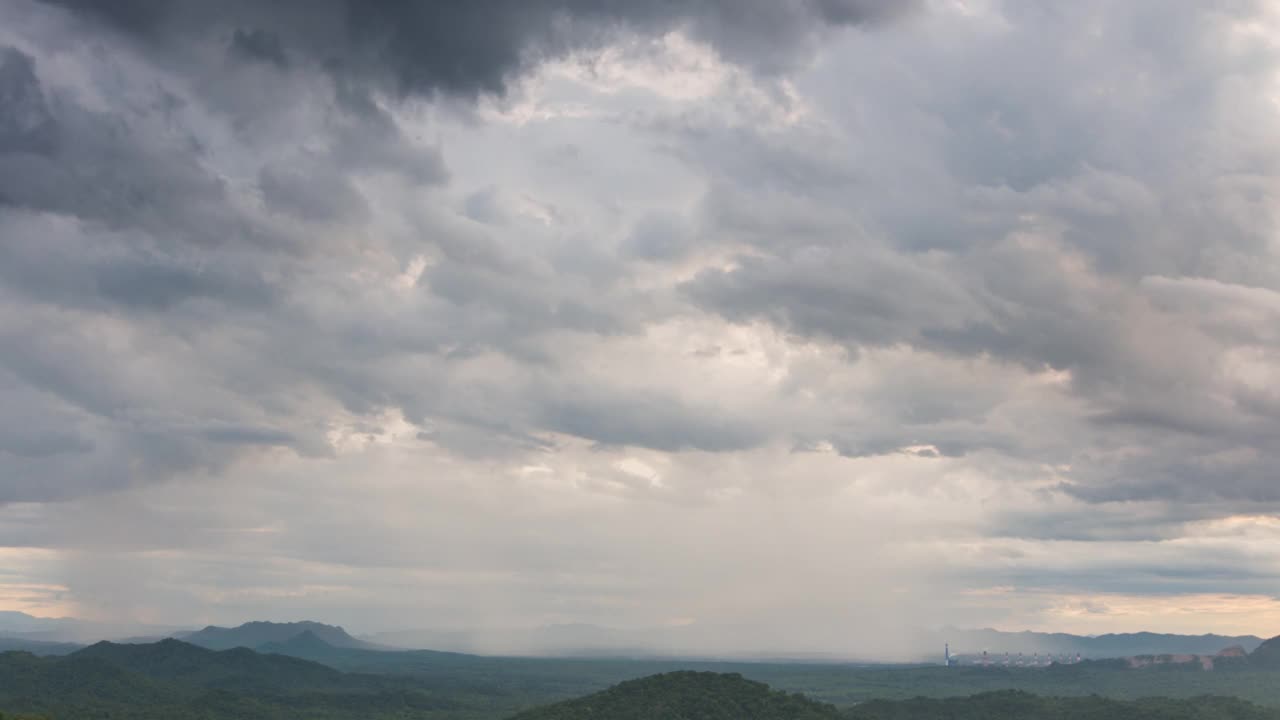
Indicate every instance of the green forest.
{"type": "Point", "coordinates": [175, 679]}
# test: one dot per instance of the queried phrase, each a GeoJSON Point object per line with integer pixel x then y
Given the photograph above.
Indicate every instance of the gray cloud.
{"type": "Point", "coordinates": [28, 126]}
{"type": "Point", "coordinates": [470, 48]}
{"type": "Point", "coordinates": [651, 422]}
{"type": "Point", "coordinates": [1041, 261]}
{"type": "Point", "coordinates": [991, 296]}
{"type": "Point", "coordinates": [259, 45]}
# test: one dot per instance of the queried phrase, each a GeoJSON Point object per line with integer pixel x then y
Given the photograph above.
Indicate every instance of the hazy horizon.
{"type": "Point", "coordinates": [801, 324]}
{"type": "Point", "coordinates": [690, 641]}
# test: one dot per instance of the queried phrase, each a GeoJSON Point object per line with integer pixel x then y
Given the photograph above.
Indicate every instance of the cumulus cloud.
{"type": "Point", "coordinates": [306, 304]}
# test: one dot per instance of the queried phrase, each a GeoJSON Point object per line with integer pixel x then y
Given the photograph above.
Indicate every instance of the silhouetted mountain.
{"type": "Point", "coordinates": [686, 694]}
{"type": "Point", "coordinates": [258, 634]}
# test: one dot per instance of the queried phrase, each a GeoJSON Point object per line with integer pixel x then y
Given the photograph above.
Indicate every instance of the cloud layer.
{"type": "Point", "coordinates": [790, 315]}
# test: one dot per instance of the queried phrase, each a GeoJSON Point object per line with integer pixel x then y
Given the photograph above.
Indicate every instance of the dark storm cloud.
{"type": "Point", "coordinates": [121, 170]}
{"type": "Point", "coordinates": [48, 261]}
{"type": "Point", "coordinates": [466, 48]}
{"type": "Point", "coordinates": [848, 294]}
{"type": "Point", "coordinates": [259, 45]}
{"type": "Point", "coordinates": [132, 224]}
{"type": "Point", "coordinates": [314, 194]}
{"type": "Point", "coordinates": [26, 126]}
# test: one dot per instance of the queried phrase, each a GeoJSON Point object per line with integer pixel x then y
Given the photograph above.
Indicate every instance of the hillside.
{"type": "Point", "coordinates": [238, 668]}
{"type": "Point", "coordinates": [1266, 655]}
{"type": "Point", "coordinates": [78, 687]}
{"type": "Point", "coordinates": [1014, 705]}
{"type": "Point", "coordinates": [257, 634]}
{"type": "Point", "coordinates": [686, 694]}
{"type": "Point", "coordinates": [172, 679]}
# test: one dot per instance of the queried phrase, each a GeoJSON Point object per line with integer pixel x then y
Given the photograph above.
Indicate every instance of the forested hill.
{"type": "Point", "coordinates": [238, 668]}
{"type": "Point", "coordinates": [1267, 655]}
{"type": "Point", "coordinates": [171, 680]}
{"type": "Point", "coordinates": [687, 694]}
{"type": "Point", "coordinates": [1015, 705]}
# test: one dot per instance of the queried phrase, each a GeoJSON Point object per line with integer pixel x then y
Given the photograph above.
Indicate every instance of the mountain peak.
{"type": "Point", "coordinates": [260, 633]}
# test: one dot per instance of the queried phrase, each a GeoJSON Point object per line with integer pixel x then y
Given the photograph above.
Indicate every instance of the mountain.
{"type": "Point", "coordinates": [1266, 655]}
{"type": "Point", "coordinates": [686, 694]}
{"type": "Point", "coordinates": [237, 668]}
{"type": "Point", "coordinates": [258, 634]}
{"type": "Point", "coordinates": [37, 647]}
{"type": "Point", "coordinates": [12, 621]}
{"type": "Point", "coordinates": [303, 644]}
{"type": "Point", "coordinates": [15, 624]}
{"type": "Point", "coordinates": [172, 679]}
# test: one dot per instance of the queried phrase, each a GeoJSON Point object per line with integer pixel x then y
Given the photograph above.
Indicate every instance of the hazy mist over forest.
{"type": "Point", "coordinates": [751, 326]}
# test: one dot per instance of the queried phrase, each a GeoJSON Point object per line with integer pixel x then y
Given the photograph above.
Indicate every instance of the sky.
{"type": "Point", "coordinates": [794, 324]}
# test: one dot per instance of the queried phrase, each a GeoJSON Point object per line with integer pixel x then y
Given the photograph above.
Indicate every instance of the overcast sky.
{"type": "Point", "coordinates": [819, 318]}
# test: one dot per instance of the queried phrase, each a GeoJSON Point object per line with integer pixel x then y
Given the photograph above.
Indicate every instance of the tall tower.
{"type": "Point", "coordinates": [946, 654]}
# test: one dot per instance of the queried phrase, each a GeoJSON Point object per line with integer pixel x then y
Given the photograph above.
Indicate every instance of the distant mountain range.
{"type": "Point", "coordinates": [54, 636]}
{"type": "Point", "coordinates": [37, 647]}
{"type": "Point", "coordinates": [579, 640]}
{"type": "Point", "coordinates": [260, 634]}
{"type": "Point", "coordinates": [994, 642]}
{"type": "Point", "coordinates": [15, 624]}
